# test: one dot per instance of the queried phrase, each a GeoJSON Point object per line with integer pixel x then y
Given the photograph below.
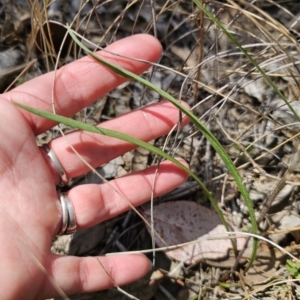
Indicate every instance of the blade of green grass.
{"type": "Point", "coordinates": [122, 136]}
{"type": "Point", "coordinates": [250, 58]}
{"type": "Point", "coordinates": [205, 131]}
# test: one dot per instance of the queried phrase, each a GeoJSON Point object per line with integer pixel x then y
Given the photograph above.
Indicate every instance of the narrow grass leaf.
{"type": "Point", "coordinates": [205, 131]}
{"type": "Point", "coordinates": [122, 136]}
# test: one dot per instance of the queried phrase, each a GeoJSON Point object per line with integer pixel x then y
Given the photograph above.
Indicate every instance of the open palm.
{"type": "Point", "coordinates": [30, 213]}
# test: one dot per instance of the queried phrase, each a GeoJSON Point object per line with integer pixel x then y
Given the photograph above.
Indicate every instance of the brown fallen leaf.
{"type": "Point", "coordinates": [179, 222]}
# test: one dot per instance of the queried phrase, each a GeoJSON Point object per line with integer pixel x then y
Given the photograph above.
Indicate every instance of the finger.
{"type": "Point", "coordinates": [80, 83]}
{"type": "Point", "coordinates": [77, 275]}
{"type": "Point", "coordinates": [147, 123]}
{"type": "Point", "coordinates": [96, 203]}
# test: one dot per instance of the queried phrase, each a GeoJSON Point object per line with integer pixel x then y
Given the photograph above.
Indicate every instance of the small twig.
{"type": "Point", "coordinates": [200, 58]}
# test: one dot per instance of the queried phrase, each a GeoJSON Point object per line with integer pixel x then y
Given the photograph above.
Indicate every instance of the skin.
{"type": "Point", "coordinates": [30, 213]}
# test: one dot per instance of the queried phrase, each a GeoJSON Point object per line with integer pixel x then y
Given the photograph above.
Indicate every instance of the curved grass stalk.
{"type": "Point", "coordinates": [201, 127]}
{"type": "Point", "coordinates": [260, 70]}
{"type": "Point", "coordinates": [122, 136]}
{"type": "Point", "coordinates": [207, 133]}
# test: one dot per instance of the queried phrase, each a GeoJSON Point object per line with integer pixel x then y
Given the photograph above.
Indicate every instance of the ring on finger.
{"type": "Point", "coordinates": [57, 165]}
{"type": "Point", "coordinates": [68, 222]}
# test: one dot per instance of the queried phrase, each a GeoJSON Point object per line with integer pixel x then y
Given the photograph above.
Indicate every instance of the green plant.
{"type": "Point", "coordinates": [293, 268]}
{"type": "Point", "coordinates": [199, 125]}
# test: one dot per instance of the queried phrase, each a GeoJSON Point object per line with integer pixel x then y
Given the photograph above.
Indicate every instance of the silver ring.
{"type": "Point", "coordinates": [68, 222]}
{"type": "Point", "coordinates": [56, 163]}
{"type": "Point", "coordinates": [65, 215]}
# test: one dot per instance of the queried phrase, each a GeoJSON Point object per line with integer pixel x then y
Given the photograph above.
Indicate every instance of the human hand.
{"type": "Point", "coordinates": [30, 213]}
